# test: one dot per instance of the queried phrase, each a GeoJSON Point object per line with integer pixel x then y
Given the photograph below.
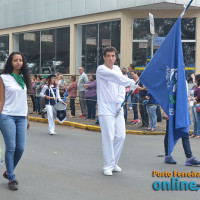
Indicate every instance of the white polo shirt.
{"type": "Point", "coordinates": [15, 97]}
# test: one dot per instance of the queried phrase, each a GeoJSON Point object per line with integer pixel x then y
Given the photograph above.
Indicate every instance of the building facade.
{"type": "Point", "coordinates": [61, 35]}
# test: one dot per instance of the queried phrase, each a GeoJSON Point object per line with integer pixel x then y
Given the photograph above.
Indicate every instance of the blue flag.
{"type": "Point", "coordinates": [164, 77]}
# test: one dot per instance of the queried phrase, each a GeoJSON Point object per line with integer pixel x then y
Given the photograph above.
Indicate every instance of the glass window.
{"type": "Point", "coordinates": [104, 38]}
{"type": "Point", "coordinates": [62, 50]}
{"type": "Point", "coordinates": [141, 28]}
{"type": "Point", "coordinates": [89, 50]}
{"type": "Point", "coordinates": [29, 45]}
{"type": "Point", "coordinates": [142, 39]}
{"type": "Point", "coordinates": [4, 51]}
{"type": "Point", "coordinates": [188, 28]}
{"type": "Point", "coordinates": [94, 38]}
{"type": "Point", "coordinates": [189, 53]}
{"type": "Point", "coordinates": [141, 52]}
{"type": "Point", "coordinates": [46, 51]}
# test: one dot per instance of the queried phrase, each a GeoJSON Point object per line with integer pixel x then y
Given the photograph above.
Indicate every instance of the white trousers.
{"type": "Point", "coordinates": [51, 112]}
{"type": "Point", "coordinates": [113, 136]}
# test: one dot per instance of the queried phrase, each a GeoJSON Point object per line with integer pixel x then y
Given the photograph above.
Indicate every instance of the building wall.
{"type": "Point", "coordinates": [23, 12]}
{"type": "Point", "coordinates": [126, 17]}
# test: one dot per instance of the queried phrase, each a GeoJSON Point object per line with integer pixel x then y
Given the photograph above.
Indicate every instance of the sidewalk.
{"type": "Point", "coordinates": [78, 122]}
{"type": "Point", "coordinates": [91, 125]}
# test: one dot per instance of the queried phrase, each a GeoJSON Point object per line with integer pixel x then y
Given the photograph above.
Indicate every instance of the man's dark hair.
{"type": "Point", "coordinates": [134, 71]}
{"type": "Point", "coordinates": [109, 49]}
{"type": "Point", "coordinates": [38, 76]}
{"type": "Point", "coordinates": [197, 78]}
{"type": "Point", "coordinates": [93, 76]}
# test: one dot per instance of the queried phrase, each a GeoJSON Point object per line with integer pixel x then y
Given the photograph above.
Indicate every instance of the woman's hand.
{"type": "Point", "coordinates": [86, 85]}
{"type": "Point", "coordinates": [28, 123]}
{"type": "Point", "coordinates": [147, 97]}
{"type": "Point", "coordinates": [47, 97]}
{"type": "Point", "coordinates": [165, 117]}
{"type": "Point", "coordinates": [64, 103]}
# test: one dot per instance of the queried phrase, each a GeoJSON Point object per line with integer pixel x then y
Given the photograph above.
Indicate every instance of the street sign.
{"type": "Point", "coordinates": [152, 28]}
{"type": "Point", "coordinates": [158, 41]}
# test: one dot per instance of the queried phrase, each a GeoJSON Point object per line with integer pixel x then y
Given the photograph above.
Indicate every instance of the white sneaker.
{"type": "Point", "coordinates": [108, 172]}
{"type": "Point", "coordinates": [50, 133]}
{"type": "Point", "coordinates": [117, 169]}
{"type": "Point", "coordinates": [54, 133]}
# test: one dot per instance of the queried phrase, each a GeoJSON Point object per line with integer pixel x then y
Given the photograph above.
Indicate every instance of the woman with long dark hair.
{"type": "Point", "coordinates": [14, 83]}
{"type": "Point", "coordinates": [51, 94]}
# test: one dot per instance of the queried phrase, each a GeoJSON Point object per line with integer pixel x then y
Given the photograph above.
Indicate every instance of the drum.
{"type": "Point", "coordinates": [61, 111]}
{"type": "Point", "coordinates": [60, 106]}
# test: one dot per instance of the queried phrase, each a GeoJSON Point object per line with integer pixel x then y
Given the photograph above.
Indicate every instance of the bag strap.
{"type": "Point", "coordinates": [53, 93]}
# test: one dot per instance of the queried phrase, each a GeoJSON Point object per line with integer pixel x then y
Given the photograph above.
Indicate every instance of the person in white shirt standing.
{"type": "Point", "coordinates": [111, 85]}
{"type": "Point", "coordinates": [14, 82]}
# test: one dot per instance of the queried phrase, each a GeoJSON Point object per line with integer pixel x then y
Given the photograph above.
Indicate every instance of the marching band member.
{"type": "Point", "coordinates": [111, 85]}
{"type": "Point", "coordinates": [51, 94]}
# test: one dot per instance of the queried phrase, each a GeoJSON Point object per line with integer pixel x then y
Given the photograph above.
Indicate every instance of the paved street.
{"type": "Point", "coordinates": [68, 167]}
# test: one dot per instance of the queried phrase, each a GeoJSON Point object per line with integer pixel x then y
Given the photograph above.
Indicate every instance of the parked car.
{"type": "Point", "coordinates": [3, 58]}
{"type": "Point", "coordinates": [34, 68]}
{"type": "Point", "coordinates": [55, 66]}
{"type": "Point", "coordinates": [60, 67]}
{"type": "Point", "coordinates": [2, 64]}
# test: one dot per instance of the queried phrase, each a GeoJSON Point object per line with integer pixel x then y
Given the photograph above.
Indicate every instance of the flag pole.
{"type": "Point", "coordinates": [184, 11]}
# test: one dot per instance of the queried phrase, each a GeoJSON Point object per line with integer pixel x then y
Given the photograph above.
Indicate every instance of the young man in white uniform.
{"type": "Point", "coordinates": [111, 85]}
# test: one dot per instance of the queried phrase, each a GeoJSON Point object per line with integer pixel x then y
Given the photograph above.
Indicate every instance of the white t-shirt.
{"type": "Point", "coordinates": [15, 97]}
{"type": "Point", "coordinates": [110, 89]}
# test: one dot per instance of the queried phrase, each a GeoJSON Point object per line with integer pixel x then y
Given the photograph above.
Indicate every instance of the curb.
{"type": "Point", "coordinates": [93, 128]}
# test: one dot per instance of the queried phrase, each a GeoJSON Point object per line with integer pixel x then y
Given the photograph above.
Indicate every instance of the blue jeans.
{"type": "Point", "coordinates": [134, 105]}
{"type": "Point", "coordinates": [151, 110]}
{"type": "Point", "coordinates": [13, 129]}
{"type": "Point", "coordinates": [125, 111]}
{"type": "Point", "coordinates": [38, 101]}
{"type": "Point", "coordinates": [185, 143]}
{"type": "Point", "coordinates": [196, 119]}
{"type": "Point", "coordinates": [125, 108]}
{"type": "Point", "coordinates": [129, 101]}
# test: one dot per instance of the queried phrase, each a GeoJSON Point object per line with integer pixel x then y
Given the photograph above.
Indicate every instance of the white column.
{"type": "Point", "coordinates": [126, 40]}
{"type": "Point", "coordinates": [11, 42]}
{"type": "Point", "coordinates": [78, 47]}
{"type": "Point", "coordinates": [16, 42]}
{"type": "Point", "coordinates": [72, 48]}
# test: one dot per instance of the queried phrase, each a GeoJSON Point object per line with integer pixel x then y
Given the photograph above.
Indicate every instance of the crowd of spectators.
{"type": "Point", "coordinates": [140, 101]}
